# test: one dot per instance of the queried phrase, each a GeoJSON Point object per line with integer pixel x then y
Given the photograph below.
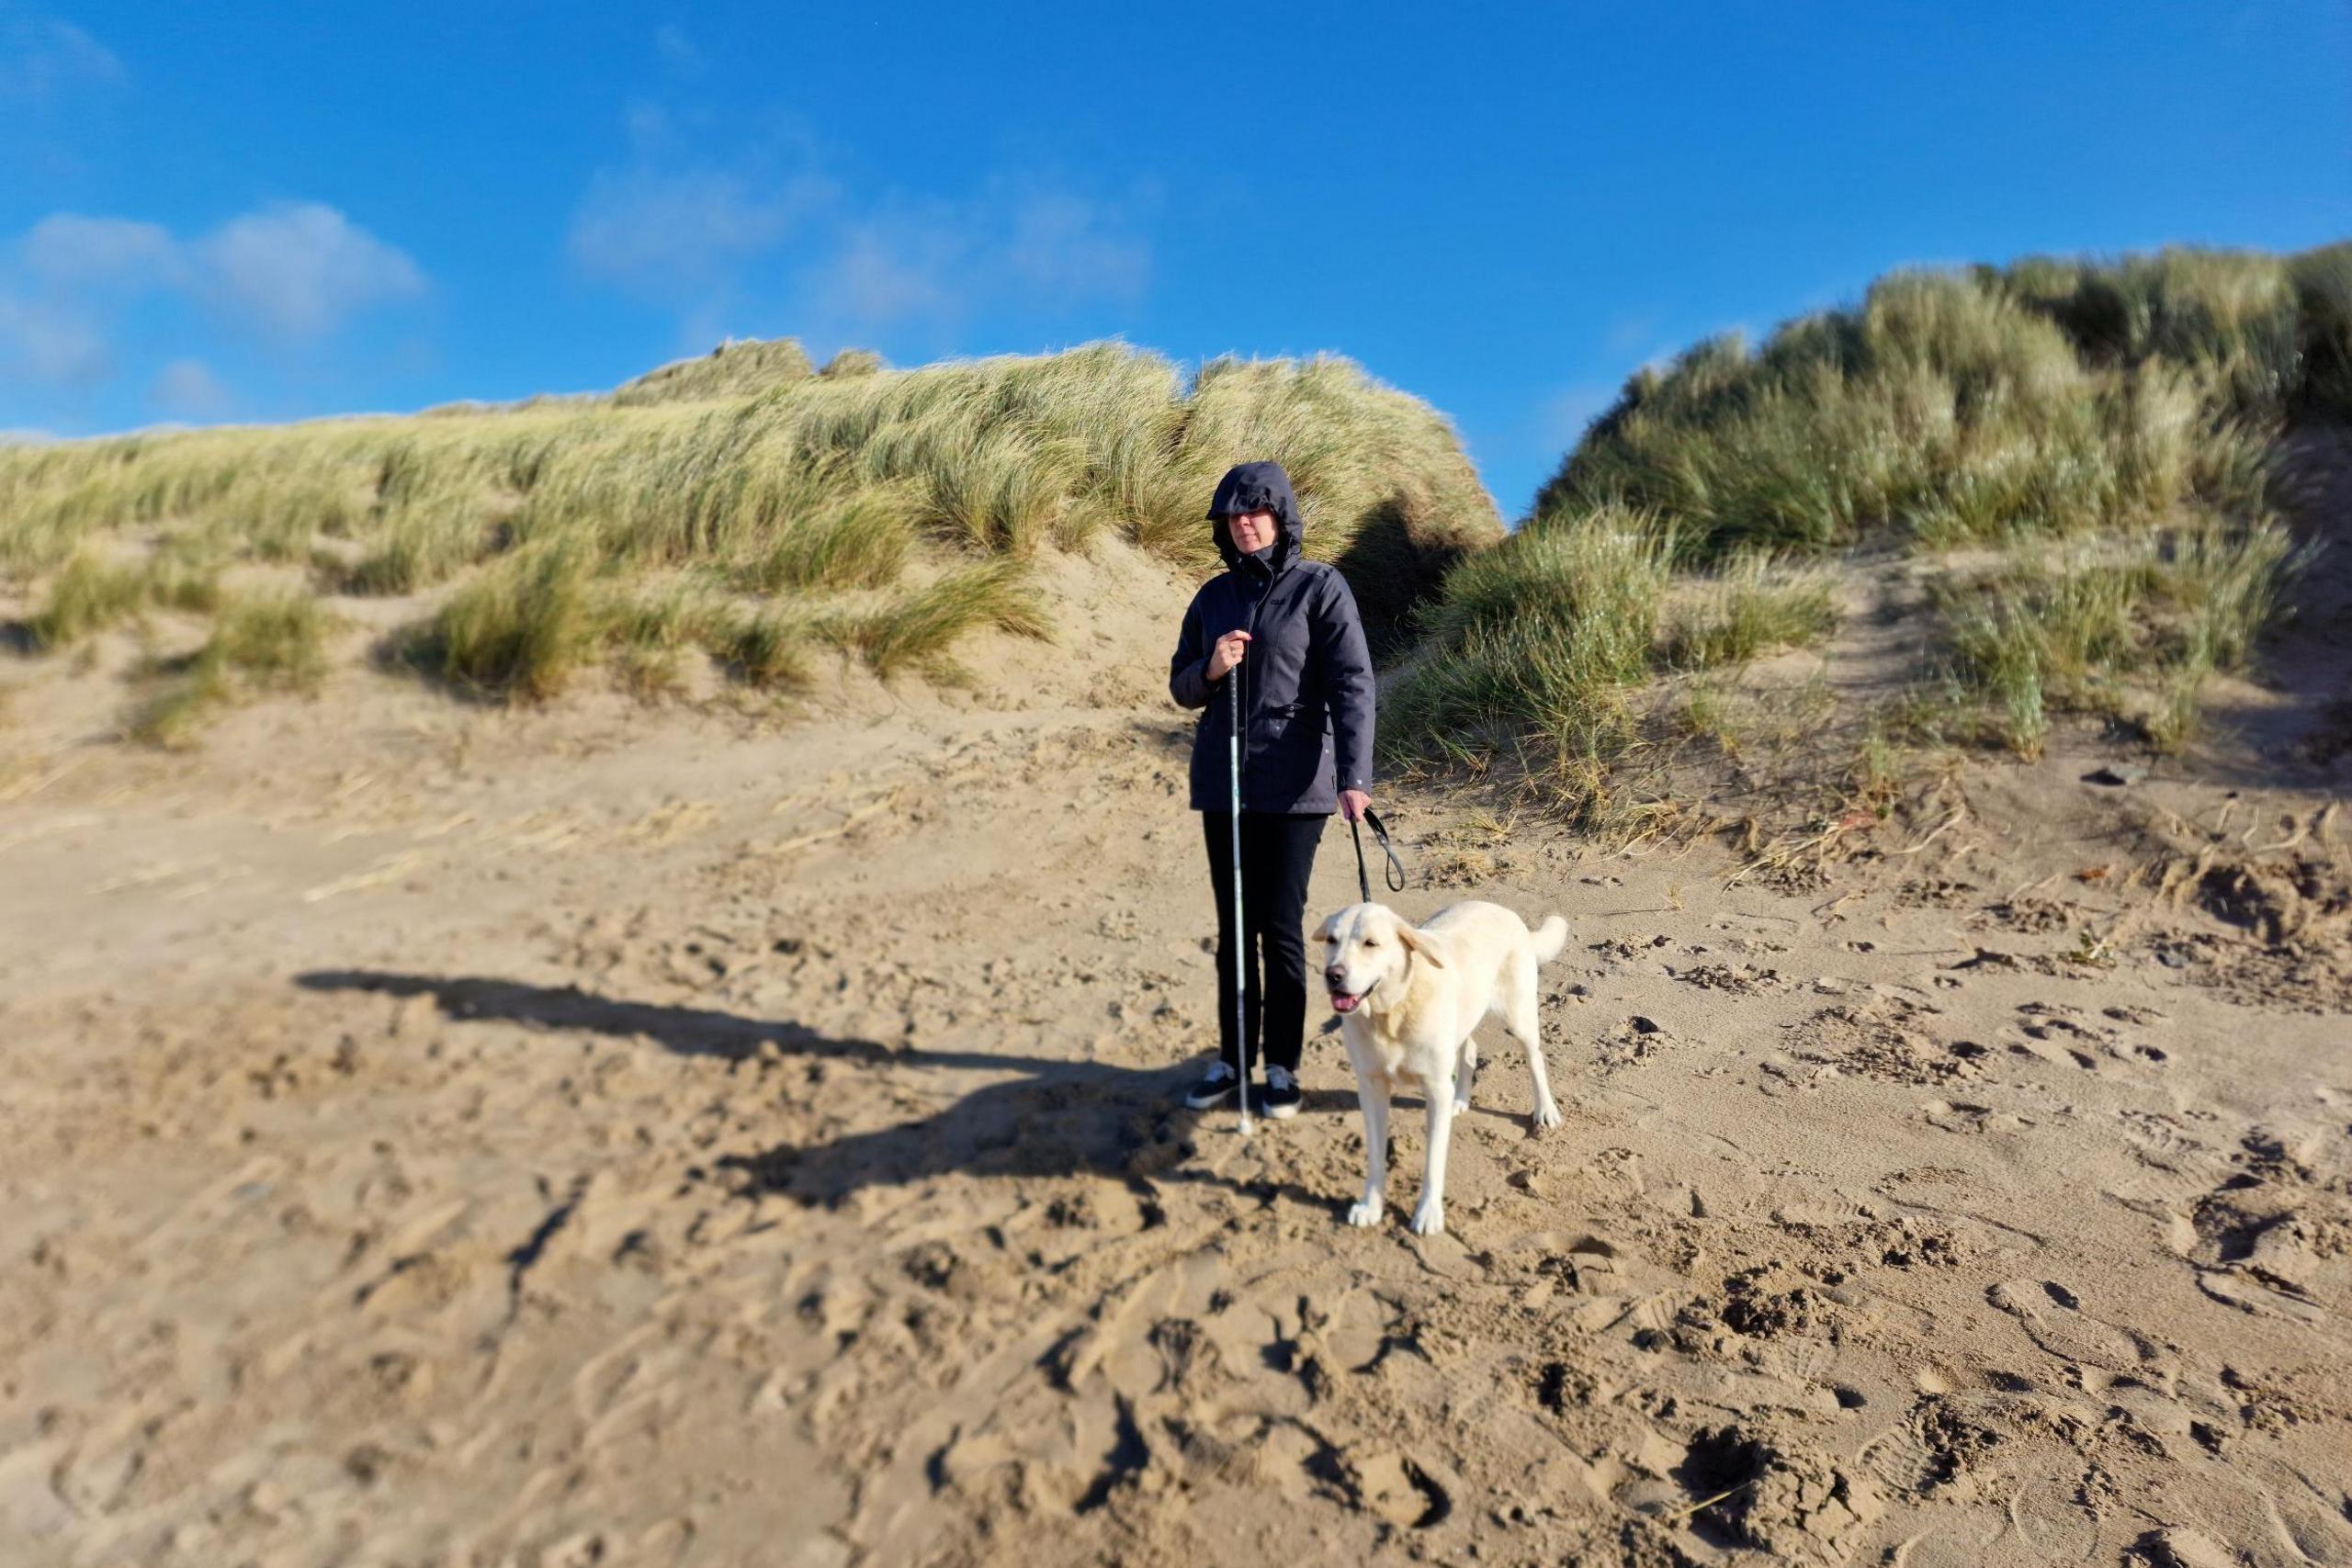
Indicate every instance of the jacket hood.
{"type": "Point", "coordinates": [1252, 487]}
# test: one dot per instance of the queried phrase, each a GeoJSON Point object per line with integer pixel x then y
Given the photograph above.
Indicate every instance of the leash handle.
{"type": "Point", "coordinates": [1393, 874]}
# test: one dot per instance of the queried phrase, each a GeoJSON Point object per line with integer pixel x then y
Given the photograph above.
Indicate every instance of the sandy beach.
{"type": "Point", "coordinates": [658, 1135]}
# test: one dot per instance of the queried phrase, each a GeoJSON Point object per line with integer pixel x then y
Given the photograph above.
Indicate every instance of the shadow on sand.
{"type": "Point", "coordinates": [1058, 1117]}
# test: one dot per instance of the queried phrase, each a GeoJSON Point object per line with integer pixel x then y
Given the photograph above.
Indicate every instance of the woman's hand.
{"type": "Point", "coordinates": [1226, 654]}
{"type": "Point", "coordinates": [1354, 804]}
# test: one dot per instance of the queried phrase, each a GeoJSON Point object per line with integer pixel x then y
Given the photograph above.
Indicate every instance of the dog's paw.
{"type": "Point", "coordinates": [1548, 1116]}
{"type": "Point", "coordinates": [1461, 1105]}
{"type": "Point", "coordinates": [1365, 1212]}
{"type": "Point", "coordinates": [1429, 1219]}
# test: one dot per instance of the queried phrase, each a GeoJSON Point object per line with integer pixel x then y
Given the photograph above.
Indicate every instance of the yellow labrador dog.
{"type": "Point", "coordinates": [1408, 999]}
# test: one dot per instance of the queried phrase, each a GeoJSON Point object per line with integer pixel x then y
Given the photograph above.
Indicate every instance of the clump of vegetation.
{"type": "Point", "coordinates": [2103, 433]}
{"type": "Point", "coordinates": [916, 630]}
{"type": "Point", "coordinates": [1548, 646]}
{"type": "Point", "coordinates": [1545, 637]}
{"type": "Point", "coordinates": [2130, 631]}
{"type": "Point", "coordinates": [767, 649]}
{"type": "Point", "coordinates": [261, 641]}
{"type": "Point", "coordinates": [526, 624]}
{"type": "Point", "coordinates": [771, 505]}
{"type": "Point", "coordinates": [93, 592]}
{"type": "Point", "coordinates": [853, 362]}
{"type": "Point", "coordinates": [90, 594]}
{"type": "Point", "coordinates": [731, 370]}
{"type": "Point", "coordinates": [523, 624]}
{"type": "Point", "coordinates": [1751, 604]}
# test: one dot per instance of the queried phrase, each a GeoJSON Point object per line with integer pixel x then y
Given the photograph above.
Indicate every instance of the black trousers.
{"type": "Point", "coordinates": [1277, 858]}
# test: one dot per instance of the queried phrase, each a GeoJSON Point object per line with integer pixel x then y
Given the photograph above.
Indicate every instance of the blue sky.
{"type": "Point", "coordinates": [242, 212]}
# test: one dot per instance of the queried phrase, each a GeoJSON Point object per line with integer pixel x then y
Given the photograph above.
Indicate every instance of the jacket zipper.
{"type": "Point", "coordinates": [1249, 710]}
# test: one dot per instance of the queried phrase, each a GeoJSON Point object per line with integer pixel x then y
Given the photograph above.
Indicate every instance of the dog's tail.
{"type": "Point", "coordinates": [1550, 937]}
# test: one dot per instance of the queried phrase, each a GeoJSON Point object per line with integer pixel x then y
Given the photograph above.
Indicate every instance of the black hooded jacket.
{"type": "Point", "coordinates": [1305, 682]}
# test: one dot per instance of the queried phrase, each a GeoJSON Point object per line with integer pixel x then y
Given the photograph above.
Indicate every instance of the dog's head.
{"type": "Point", "coordinates": [1366, 946]}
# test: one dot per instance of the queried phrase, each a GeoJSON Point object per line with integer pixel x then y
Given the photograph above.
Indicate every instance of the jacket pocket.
{"type": "Point", "coordinates": [1301, 715]}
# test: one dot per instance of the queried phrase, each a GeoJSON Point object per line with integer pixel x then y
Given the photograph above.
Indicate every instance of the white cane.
{"type": "Point", "coordinates": [1240, 937]}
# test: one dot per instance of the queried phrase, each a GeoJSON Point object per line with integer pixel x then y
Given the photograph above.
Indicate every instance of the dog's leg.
{"type": "Point", "coordinates": [1465, 1074]}
{"type": "Point", "coordinates": [1526, 1027]}
{"type": "Point", "coordinates": [1372, 1095]}
{"type": "Point", "coordinates": [1429, 1215]}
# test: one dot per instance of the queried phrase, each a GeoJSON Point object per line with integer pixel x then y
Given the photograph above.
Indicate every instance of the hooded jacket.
{"type": "Point", "coordinates": [1305, 682]}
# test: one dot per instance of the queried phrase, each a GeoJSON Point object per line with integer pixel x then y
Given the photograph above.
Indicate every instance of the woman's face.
{"type": "Point", "coordinates": [1250, 530]}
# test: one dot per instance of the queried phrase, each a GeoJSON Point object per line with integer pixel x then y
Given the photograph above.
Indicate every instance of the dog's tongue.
{"type": "Point", "coordinates": [1342, 1002]}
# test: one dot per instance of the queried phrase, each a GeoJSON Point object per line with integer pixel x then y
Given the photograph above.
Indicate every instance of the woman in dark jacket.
{"type": "Point", "coordinates": [1287, 631]}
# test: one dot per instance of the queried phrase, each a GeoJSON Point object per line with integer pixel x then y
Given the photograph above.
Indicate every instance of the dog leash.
{"type": "Point", "coordinates": [1392, 873]}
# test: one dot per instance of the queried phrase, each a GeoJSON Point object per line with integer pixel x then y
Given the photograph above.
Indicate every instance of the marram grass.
{"type": "Point", "coordinates": [262, 640]}
{"type": "Point", "coordinates": [884, 511]}
{"type": "Point", "coordinates": [2105, 431]}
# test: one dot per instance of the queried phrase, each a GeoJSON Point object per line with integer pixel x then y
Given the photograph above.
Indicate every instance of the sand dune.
{"type": "Point", "coordinates": [648, 1135]}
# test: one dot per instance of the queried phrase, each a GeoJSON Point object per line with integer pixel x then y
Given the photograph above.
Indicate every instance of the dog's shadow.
{"type": "Point", "coordinates": [1057, 1118]}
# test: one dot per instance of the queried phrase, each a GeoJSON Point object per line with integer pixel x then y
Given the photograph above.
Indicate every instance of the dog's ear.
{"type": "Point", "coordinates": [1418, 945]}
{"type": "Point", "coordinates": [1328, 929]}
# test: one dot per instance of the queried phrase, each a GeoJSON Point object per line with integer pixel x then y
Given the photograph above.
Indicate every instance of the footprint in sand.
{"type": "Point", "coordinates": [2053, 1319]}
{"type": "Point", "coordinates": [1951, 1443]}
{"type": "Point", "coordinates": [2266, 1261]}
{"type": "Point", "coordinates": [1758, 1482]}
{"type": "Point", "coordinates": [1401, 1491]}
{"type": "Point", "coordinates": [1956, 1115]}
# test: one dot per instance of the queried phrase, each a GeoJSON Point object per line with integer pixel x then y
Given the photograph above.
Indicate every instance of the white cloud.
{"type": "Point", "coordinates": [68, 251]}
{"type": "Point", "coordinates": [889, 270]}
{"type": "Point", "coordinates": [186, 389]}
{"type": "Point", "coordinates": [44, 341]}
{"type": "Point", "coordinates": [300, 269]}
{"type": "Point", "coordinates": [765, 221]}
{"type": "Point", "coordinates": [1064, 243]}
{"type": "Point", "coordinates": [292, 274]}
{"type": "Point", "coordinates": [663, 232]}
{"type": "Point", "coordinates": [676, 50]}
{"type": "Point", "coordinates": [43, 59]}
{"type": "Point", "coordinates": [1020, 246]}
{"type": "Point", "coordinates": [296, 270]}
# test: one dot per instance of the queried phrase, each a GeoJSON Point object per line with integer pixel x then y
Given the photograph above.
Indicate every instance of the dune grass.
{"type": "Point", "coordinates": [2130, 632]}
{"type": "Point", "coordinates": [1942, 408]}
{"type": "Point", "coordinates": [531, 622]}
{"type": "Point", "coordinates": [767, 649]}
{"type": "Point", "coordinates": [889, 512]}
{"type": "Point", "coordinates": [88, 596]}
{"type": "Point", "coordinates": [525, 625]}
{"type": "Point", "coordinates": [730, 370]}
{"type": "Point", "coordinates": [1751, 604]}
{"type": "Point", "coordinates": [262, 640]}
{"type": "Point", "coordinates": [916, 630]}
{"type": "Point", "coordinates": [2103, 433]}
{"type": "Point", "coordinates": [93, 592]}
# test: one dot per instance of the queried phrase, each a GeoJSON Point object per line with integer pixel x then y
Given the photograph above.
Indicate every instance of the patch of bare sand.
{"type": "Point", "coordinates": [653, 1135]}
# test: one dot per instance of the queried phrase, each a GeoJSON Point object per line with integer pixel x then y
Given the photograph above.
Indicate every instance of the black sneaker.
{"type": "Point", "coordinates": [1279, 1100]}
{"type": "Point", "coordinates": [1215, 1089]}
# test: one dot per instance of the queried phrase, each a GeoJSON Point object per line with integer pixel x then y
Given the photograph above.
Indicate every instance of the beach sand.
{"type": "Point", "coordinates": [630, 1135]}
